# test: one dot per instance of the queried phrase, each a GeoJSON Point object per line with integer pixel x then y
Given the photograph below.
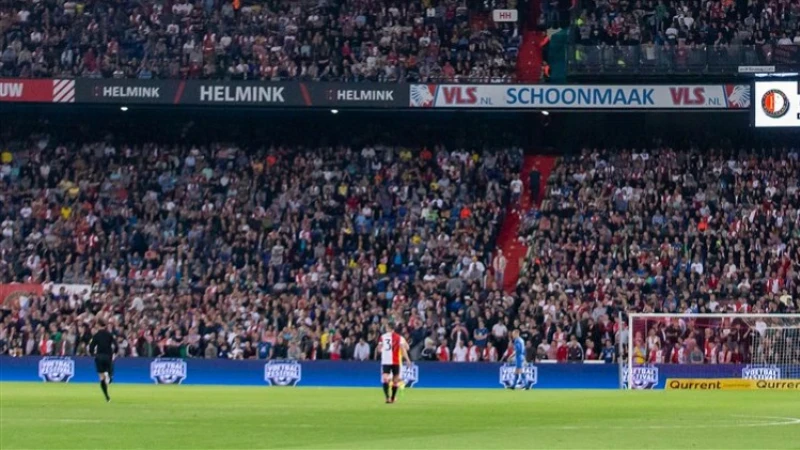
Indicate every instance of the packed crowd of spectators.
{"type": "Point", "coordinates": [666, 230]}
{"type": "Point", "coordinates": [689, 24]}
{"type": "Point", "coordinates": [222, 251]}
{"type": "Point", "coordinates": [234, 252]}
{"type": "Point", "coordinates": [347, 40]}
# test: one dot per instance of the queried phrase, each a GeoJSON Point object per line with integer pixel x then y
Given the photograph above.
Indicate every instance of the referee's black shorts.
{"type": "Point", "coordinates": [104, 363]}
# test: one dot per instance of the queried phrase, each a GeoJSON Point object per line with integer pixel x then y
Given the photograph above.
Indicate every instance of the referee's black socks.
{"type": "Point", "coordinates": [386, 389]}
{"type": "Point", "coordinates": [104, 387]}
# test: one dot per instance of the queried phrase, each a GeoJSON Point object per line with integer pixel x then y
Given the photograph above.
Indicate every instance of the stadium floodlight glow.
{"type": "Point", "coordinates": [123, 108]}
{"type": "Point", "coordinates": [334, 111]}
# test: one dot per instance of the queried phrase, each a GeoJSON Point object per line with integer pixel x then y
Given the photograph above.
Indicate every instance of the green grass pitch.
{"type": "Point", "coordinates": [74, 416]}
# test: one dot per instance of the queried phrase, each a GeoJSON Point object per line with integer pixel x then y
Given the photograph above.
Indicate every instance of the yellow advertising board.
{"type": "Point", "coordinates": [778, 385]}
{"type": "Point", "coordinates": [709, 384]}
{"type": "Point", "coordinates": [729, 384]}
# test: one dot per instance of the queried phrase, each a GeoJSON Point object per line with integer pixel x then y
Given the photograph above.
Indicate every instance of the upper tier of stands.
{"type": "Point", "coordinates": [345, 40]}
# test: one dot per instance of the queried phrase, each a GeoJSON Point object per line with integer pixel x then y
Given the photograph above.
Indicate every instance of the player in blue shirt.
{"type": "Point", "coordinates": [519, 357]}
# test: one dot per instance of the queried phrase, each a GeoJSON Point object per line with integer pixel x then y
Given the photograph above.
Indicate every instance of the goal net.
{"type": "Point", "coordinates": [730, 347]}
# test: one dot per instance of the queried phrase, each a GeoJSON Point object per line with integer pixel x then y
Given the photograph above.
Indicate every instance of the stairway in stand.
{"type": "Point", "coordinates": [529, 58]}
{"type": "Point", "coordinates": [507, 239]}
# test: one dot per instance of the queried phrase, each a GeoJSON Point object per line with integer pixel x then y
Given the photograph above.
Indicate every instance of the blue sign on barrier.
{"type": "Point", "coordinates": [410, 375]}
{"type": "Point", "coordinates": [56, 369]}
{"type": "Point", "coordinates": [644, 377]}
{"type": "Point", "coordinates": [508, 376]}
{"type": "Point", "coordinates": [306, 373]}
{"type": "Point", "coordinates": [168, 370]}
{"type": "Point", "coordinates": [282, 373]}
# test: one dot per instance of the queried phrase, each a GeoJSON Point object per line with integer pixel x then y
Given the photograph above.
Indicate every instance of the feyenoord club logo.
{"type": "Point", "coordinates": [775, 103]}
{"type": "Point", "coordinates": [282, 373]}
{"type": "Point", "coordinates": [55, 369]}
{"type": "Point", "coordinates": [168, 370]}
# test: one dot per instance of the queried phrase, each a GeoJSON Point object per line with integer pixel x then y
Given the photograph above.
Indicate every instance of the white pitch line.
{"type": "Point", "coordinates": [51, 420]}
{"type": "Point", "coordinates": [771, 422]}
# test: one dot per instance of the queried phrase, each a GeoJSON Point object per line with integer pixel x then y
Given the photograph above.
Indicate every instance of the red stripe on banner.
{"type": "Point", "coordinates": [179, 92]}
{"type": "Point", "coordinates": [305, 94]}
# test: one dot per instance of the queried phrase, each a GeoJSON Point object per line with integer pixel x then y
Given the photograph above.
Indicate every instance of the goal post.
{"type": "Point", "coordinates": [711, 351]}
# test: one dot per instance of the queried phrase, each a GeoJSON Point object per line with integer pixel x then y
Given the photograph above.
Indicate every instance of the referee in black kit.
{"type": "Point", "coordinates": [104, 347]}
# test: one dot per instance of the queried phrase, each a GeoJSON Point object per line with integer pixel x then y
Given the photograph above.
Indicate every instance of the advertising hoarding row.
{"type": "Point", "coordinates": [309, 373]}
{"type": "Point", "coordinates": [544, 96]}
{"type": "Point", "coordinates": [422, 374]}
{"type": "Point", "coordinates": [376, 95]}
{"type": "Point", "coordinates": [711, 377]}
{"type": "Point", "coordinates": [202, 92]}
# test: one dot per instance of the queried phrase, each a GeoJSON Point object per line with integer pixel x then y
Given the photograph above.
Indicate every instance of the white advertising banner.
{"type": "Point", "coordinates": [505, 15]}
{"type": "Point", "coordinates": [543, 96]}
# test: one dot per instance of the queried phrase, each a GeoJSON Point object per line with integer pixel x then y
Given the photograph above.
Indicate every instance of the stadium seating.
{"type": "Point", "coordinates": [282, 40]}
{"type": "Point", "coordinates": [288, 251]}
{"type": "Point", "coordinates": [669, 37]}
{"type": "Point", "coordinates": [668, 22]}
{"type": "Point", "coordinates": [665, 230]}
{"type": "Point", "coordinates": [661, 221]}
{"type": "Point", "coordinates": [226, 251]}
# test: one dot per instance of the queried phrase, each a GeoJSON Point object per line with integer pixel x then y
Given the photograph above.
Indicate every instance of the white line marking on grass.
{"type": "Point", "coordinates": [766, 421]}
{"type": "Point", "coordinates": [78, 420]}
{"type": "Point", "coordinates": [773, 421]}
{"type": "Point", "coordinates": [52, 420]}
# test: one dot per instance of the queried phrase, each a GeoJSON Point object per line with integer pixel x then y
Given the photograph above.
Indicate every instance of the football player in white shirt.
{"type": "Point", "coordinates": [393, 349]}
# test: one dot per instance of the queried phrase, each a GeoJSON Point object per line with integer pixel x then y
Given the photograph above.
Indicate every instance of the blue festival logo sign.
{"type": "Point", "coordinates": [508, 375]}
{"type": "Point", "coordinates": [56, 369]}
{"type": "Point", "coordinates": [282, 373]}
{"type": "Point", "coordinates": [410, 375]}
{"type": "Point", "coordinates": [168, 370]}
{"type": "Point", "coordinates": [761, 372]}
{"type": "Point", "coordinates": [644, 377]}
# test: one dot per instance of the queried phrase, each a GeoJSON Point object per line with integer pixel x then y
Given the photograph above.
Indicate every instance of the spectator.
{"type": "Point", "coordinates": [490, 353]}
{"type": "Point", "coordinates": [574, 350]}
{"type": "Point", "coordinates": [362, 350]}
{"type": "Point", "coordinates": [460, 352]}
{"type": "Point", "coordinates": [499, 267]}
{"type": "Point", "coordinates": [609, 354]}
{"type": "Point", "coordinates": [473, 352]}
{"type": "Point", "coordinates": [443, 352]}
{"type": "Point", "coordinates": [695, 355]}
{"type": "Point", "coordinates": [589, 354]}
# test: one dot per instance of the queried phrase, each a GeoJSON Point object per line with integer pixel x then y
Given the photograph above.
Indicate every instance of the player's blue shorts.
{"type": "Point", "coordinates": [519, 363]}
